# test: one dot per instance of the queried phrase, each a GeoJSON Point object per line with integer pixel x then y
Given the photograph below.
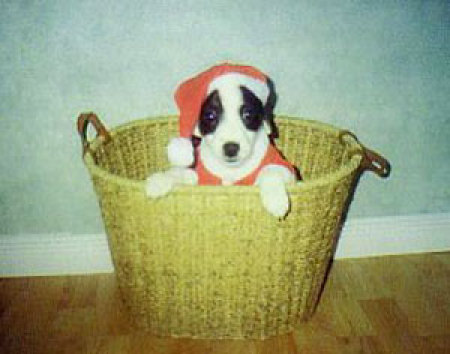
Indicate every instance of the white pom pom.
{"type": "Point", "coordinates": [180, 152]}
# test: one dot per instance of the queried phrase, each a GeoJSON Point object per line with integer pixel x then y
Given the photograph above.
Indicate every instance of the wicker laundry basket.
{"type": "Point", "coordinates": [209, 261]}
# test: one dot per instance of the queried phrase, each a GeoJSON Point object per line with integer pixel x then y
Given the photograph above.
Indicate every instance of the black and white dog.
{"type": "Point", "coordinates": [234, 122]}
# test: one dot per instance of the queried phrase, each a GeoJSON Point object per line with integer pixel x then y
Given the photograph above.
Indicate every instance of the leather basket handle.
{"type": "Point", "coordinates": [84, 119]}
{"type": "Point", "coordinates": [371, 160]}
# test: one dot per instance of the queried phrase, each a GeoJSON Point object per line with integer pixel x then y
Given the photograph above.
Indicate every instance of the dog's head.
{"type": "Point", "coordinates": [236, 112]}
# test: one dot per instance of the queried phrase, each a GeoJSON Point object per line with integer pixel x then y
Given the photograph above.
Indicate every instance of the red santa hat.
{"type": "Point", "coordinates": [191, 94]}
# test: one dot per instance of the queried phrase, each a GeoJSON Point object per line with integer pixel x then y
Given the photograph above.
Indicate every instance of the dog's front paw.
{"type": "Point", "coordinates": [158, 185]}
{"type": "Point", "coordinates": [275, 202]}
{"type": "Point", "coordinates": [272, 185]}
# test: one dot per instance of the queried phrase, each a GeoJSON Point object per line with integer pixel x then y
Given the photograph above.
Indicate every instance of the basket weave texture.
{"type": "Point", "coordinates": [209, 261]}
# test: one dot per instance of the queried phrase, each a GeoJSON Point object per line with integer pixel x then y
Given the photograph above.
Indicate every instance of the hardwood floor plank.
{"type": "Point", "coordinates": [392, 326]}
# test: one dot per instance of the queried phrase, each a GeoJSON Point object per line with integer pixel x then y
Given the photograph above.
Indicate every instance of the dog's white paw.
{"type": "Point", "coordinates": [159, 184]}
{"type": "Point", "coordinates": [275, 201]}
{"type": "Point", "coordinates": [272, 182]}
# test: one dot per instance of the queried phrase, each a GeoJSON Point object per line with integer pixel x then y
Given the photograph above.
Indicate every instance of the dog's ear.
{"type": "Point", "coordinates": [269, 124]}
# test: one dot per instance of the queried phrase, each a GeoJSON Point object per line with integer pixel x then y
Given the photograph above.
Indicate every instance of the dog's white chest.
{"type": "Point", "coordinates": [227, 182]}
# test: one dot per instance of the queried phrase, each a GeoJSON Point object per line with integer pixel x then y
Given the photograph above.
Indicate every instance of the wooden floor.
{"type": "Point", "coordinates": [377, 305]}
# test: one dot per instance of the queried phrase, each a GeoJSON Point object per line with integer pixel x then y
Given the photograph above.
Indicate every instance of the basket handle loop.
{"type": "Point", "coordinates": [83, 122]}
{"type": "Point", "coordinates": [371, 161]}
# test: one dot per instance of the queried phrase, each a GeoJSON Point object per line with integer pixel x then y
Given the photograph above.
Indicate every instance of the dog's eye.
{"type": "Point", "coordinates": [251, 117]}
{"type": "Point", "coordinates": [210, 115]}
{"type": "Point", "coordinates": [248, 113]}
{"type": "Point", "coordinates": [209, 120]}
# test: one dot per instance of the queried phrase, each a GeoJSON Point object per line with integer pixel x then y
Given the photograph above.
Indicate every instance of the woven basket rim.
{"type": "Point", "coordinates": [301, 186]}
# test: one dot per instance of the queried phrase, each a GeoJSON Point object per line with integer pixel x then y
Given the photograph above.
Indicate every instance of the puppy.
{"type": "Point", "coordinates": [234, 123]}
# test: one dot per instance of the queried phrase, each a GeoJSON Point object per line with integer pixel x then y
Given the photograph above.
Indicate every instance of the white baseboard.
{"type": "Point", "coordinates": [369, 237]}
{"type": "Point", "coordinates": [63, 254]}
{"type": "Point", "coordinates": [53, 254]}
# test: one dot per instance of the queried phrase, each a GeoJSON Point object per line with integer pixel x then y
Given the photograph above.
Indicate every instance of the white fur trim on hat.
{"type": "Point", "coordinates": [258, 87]}
{"type": "Point", "coordinates": [180, 152]}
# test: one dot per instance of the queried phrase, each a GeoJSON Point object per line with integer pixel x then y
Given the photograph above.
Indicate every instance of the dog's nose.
{"type": "Point", "coordinates": [230, 149]}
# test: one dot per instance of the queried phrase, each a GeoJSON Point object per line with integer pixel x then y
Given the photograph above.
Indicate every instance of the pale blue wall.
{"type": "Point", "coordinates": [380, 68]}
